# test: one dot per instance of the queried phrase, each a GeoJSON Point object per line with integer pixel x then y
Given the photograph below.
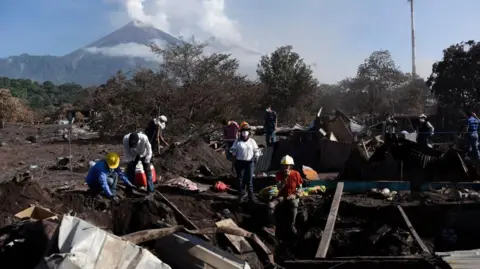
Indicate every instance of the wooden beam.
{"type": "Point", "coordinates": [184, 217]}
{"type": "Point", "coordinates": [412, 230]}
{"type": "Point", "coordinates": [240, 244]}
{"type": "Point", "coordinates": [329, 226]}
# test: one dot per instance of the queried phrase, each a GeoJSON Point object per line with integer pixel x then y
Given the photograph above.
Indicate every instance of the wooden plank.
{"type": "Point", "coordinates": [329, 226]}
{"type": "Point", "coordinates": [184, 217]}
{"type": "Point", "coordinates": [412, 230]}
{"type": "Point", "coordinates": [364, 186]}
{"type": "Point", "coordinates": [240, 243]}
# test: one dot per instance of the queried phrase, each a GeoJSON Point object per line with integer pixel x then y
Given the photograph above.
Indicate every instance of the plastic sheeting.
{"type": "Point", "coordinates": [85, 246]}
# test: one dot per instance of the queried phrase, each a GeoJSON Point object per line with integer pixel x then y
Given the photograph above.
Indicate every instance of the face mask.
{"type": "Point", "coordinates": [422, 120]}
{"type": "Point", "coordinates": [245, 133]}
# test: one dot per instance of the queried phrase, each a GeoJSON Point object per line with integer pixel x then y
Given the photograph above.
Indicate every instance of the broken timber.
{"type": "Point", "coordinates": [329, 226]}
{"type": "Point", "coordinates": [185, 218]}
{"type": "Point", "coordinates": [364, 186]}
{"type": "Point", "coordinates": [240, 244]}
{"type": "Point", "coordinates": [412, 230]}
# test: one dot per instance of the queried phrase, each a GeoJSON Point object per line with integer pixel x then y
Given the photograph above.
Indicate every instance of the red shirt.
{"type": "Point", "coordinates": [230, 131]}
{"type": "Point", "coordinates": [292, 182]}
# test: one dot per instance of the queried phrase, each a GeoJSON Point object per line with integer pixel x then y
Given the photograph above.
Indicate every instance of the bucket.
{"type": "Point", "coordinates": [141, 177]}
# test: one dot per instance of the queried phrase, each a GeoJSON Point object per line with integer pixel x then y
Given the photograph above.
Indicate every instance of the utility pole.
{"type": "Point", "coordinates": [412, 25]}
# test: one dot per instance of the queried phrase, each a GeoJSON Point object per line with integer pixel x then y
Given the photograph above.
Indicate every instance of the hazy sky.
{"type": "Point", "coordinates": [335, 36]}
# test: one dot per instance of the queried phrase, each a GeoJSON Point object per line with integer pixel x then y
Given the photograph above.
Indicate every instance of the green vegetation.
{"type": "Point", "coordinates": [41, 96]}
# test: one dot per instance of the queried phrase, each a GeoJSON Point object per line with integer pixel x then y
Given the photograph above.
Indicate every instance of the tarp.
{"type": "Point", "coordinates": [85, 246]}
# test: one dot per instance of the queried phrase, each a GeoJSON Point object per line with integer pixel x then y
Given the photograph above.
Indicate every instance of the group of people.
{"type": "Point", "coordinates": [244, 152]}
{"type": "Point", "coordinates": [103, 176]}
{"type": "Point", "coordinates": [424, 133]}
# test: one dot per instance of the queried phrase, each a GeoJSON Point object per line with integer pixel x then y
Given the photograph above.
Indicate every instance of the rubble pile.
{"type": "Point", "coordinates": [187, 158]}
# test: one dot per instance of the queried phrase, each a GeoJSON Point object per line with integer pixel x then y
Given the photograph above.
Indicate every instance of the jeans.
{"type": "Point", "coordinates": [473, 145]}
{"type": "Point", "coordinates": [148, 173]}
{"type": "Point", "coordinates": [245, 172]}
{"type": "Point", "coordinates": [112, 180]}
{"type": "Point", "coordinates": [270, 137]}
{"type": "Point", "coordinates": [292, 204]}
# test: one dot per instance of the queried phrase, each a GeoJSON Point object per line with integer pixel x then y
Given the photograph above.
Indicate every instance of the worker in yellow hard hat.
{"type": "Point", "coordinates": [289, 188]}
{"type": "Point", "coordinates": [103, 176]}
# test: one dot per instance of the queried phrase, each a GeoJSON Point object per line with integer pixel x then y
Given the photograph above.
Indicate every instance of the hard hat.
{"type": "Point", "coordinates": [287, 160]}
{"type": "Point", "coordinates": [163, 118]}
{"type": "Point", "coordinates": [244, 126]}
{"type": "Point", "coordinates": [113, 160]}
{"type": "Point", "coordinates": [423, 116]}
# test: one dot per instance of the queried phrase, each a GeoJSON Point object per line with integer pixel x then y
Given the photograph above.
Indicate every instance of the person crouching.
{"type": "Point", "coordinates": [289, 186]}
{"type": "Point", "coordinates": [103, 177]}
{"type": "Point", "coordinates": [245, 151]}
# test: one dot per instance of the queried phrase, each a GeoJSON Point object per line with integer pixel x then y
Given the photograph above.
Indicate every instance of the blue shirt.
{"type": "Point", "coordinates": [472, 125]}
{"type": "Point", "coordinates": [270, 120]}
{"type": "Point", "coordinates": [98, 175]}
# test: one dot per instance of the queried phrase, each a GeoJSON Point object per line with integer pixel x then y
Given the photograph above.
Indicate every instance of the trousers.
{"type": "Point", "coordinates": [148, 173]}
{"type": "Point", "coordinates": [112, 180]}
{"type": "Point", "coordinates": [292, 205]}
{"type": "Point", "coordinates": [245, 170]}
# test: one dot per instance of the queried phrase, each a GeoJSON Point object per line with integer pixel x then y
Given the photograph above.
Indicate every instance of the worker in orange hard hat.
{"type": "Point", "coordinates": [103, 176]}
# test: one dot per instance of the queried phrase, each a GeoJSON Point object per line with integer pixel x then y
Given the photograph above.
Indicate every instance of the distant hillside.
{"type": "Point", "coordinates": [95, 63]}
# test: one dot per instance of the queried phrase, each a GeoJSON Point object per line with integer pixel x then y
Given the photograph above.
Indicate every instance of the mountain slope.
{"type": "Point", "coordinates": [123, 49]}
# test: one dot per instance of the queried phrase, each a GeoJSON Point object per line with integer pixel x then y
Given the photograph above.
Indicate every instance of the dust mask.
{"type": "Point", "coordinates": [422, 120]}
{"type": "Point", "coordinates": [245, 133]}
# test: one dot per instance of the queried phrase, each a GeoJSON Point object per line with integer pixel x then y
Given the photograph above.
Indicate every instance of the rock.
{"type": "Point", "coordinates": [32, 138]}
{"type": "Point", "coordinates": [3, 144]}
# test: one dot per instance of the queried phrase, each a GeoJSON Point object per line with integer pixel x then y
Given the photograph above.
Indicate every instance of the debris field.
{"type": "Point", "coordinates": [336, 228]}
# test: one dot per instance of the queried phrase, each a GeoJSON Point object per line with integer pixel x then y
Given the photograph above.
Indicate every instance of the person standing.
{"type": "Point", "coordinates": [472, 135]}
{"type": "Point", "coordinates": [425, 131]}
{"type": "Point", "coordinates": [138, 148]}
{"type": "Point", "coordinates": [154, 131]}
{"type": "Point", "coordinates": [270, 125]}
{"type": "Point", "coordinates": [245, 151]}
{"type": "Point", "coordinates": [389, 127]}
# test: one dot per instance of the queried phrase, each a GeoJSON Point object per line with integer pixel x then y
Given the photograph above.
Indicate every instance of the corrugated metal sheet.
{"type": "Point", "coordinates": [334, 155]}
{"type": "Point", "coordinates": [463, 259]}
{"type": "Point", "coordinates": [265, 160]}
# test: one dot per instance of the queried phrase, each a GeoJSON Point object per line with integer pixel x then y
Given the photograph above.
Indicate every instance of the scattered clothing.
{"type": "Point", "coordinates": [182, 183]}
{"type": "Point", "coordinates": [100, 178]}
{"type": "Point", "coordinates": [142, 150]}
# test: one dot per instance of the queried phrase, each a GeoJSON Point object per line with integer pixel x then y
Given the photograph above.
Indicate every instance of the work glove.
{"type": "Point", "coordinates": [292, 197]}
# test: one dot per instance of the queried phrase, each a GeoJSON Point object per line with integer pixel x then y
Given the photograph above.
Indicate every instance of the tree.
{"type": "Point", "coordinates": [455, 80]}
{"type": "Point", "coordinates": [287, 78]}
{"type": "Point", "coordinates": [375, 84]}
{"type": "Point", "coordinates": [11, 108]}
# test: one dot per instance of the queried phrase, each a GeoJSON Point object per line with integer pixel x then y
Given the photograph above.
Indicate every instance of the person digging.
{"type": "Point", "coordinates": [289, 187]}
{"type": "Point", "coordinates": [103, 177]}
{"type": "Point", "coordinates": [138, 149]}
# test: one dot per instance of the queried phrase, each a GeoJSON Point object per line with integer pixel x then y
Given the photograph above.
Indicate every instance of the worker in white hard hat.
{"type": "Point", "coordinates": [154, 131]}
{"type": "Point", "coordinates": [425, 131]}
{"type": "Point", "coordinates": [289, 187]}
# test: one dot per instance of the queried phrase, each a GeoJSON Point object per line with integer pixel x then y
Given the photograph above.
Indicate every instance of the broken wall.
{"type": "Point", "coordinates": [311, 149]}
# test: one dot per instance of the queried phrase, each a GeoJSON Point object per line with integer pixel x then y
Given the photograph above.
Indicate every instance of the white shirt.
{"type": "Point", "coordinates": [245, 150]}
{"type": "Point", "coordinates": [144, 149]}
